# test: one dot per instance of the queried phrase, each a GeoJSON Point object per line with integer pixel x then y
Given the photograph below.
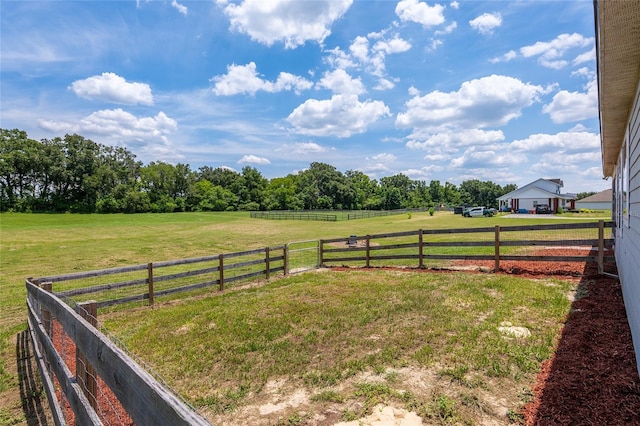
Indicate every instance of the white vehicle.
{"type": "Point", "coordinates": [474, 212]}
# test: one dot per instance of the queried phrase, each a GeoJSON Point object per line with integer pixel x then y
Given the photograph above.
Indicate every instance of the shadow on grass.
{"type": "Point", "coordinates": [31, 390]}
{"type": "Point", "coordinates": [592, 379]}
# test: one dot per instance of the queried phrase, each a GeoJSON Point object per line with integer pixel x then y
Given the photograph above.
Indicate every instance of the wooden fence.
{"type": "Point", "coordinates": [327, 215]}
{"type": "Point", "coordinates": [428, 245]}
{"type": "Point", "coordinates": [148, 281]}
{"type": "Point", "coordinates": [145, 400]}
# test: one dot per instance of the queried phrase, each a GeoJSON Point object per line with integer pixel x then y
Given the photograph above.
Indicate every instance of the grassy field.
{"type": "Point", "coordinates": [38, 245]}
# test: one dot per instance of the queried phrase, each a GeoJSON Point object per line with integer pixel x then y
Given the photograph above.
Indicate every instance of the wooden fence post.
{"type": "Point", "coordinates": [221, 271]}
{"type": "Point", "coordinates": [420, 252]}
{"type": "Point", "coordinates": [600, 246]}
{"type": "Point", "coordinates": [46, 315]}
{"type": "Point", "coordinates": [285, 259]}
{"type": "Point", "coordinates": [368, 255]}
{"type": "Point", "coordinates": [85, 373]}
{"type": "Point", "coordinates": [321, 253]}
{"type": "Point", "coordinates": [150, 282]}
{"type": "Point", "coordinates": [496, 266]}
{"type": "Point", "coordinates": [267, 262]}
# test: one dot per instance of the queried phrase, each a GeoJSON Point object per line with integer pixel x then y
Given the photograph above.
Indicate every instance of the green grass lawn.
{"type": "Point", "coordinates": [35, 245]}
{"type": "Point", "coordinates": [322, 333]}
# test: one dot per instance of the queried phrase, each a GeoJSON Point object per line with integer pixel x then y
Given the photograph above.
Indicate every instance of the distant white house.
{"type": "Point", "coordinates": [541, 191]}
{"type": "Point", "coordinates": [600, 201]}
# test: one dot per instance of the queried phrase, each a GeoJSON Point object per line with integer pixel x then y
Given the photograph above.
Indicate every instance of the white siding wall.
{"type": "Point", "coordinates": [627, 248]}
{"type": "Point", "coordinates": [593, 206]}
{"type": "Point", "coordinates": [548, 186]}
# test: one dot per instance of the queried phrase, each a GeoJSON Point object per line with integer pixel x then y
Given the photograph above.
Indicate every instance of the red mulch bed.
{"type": "Point", "coordinates": [591, 379]}
{"type": "Point", "coordinates": [109, 408]}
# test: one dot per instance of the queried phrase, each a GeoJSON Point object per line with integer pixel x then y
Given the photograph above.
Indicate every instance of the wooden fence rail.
{"type": "Point", "coordinates": [414, 250]}
{"type": "Point", "coordinates": [144, 399]}
{"type": "Point", "coordinates": [261, 262]}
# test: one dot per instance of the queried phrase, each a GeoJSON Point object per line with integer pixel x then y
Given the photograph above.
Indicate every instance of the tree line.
{"type": "Point", "coordinates": [75, 174]}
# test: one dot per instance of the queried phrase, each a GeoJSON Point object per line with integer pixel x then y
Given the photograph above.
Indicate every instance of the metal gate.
{"type": "Point", "coordinates": [303, 256]}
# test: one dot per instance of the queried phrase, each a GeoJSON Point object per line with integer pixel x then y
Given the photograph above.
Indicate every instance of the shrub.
{"type": "Point", "coordinates": [431, 211]}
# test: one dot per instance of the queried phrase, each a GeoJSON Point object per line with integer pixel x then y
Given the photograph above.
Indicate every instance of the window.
{"type": "Point", "coordinates": [625, 181]}
{"type": "Point", "coordinates": [621, 189]}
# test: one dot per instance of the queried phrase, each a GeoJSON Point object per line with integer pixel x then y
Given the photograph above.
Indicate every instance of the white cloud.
{"type": "Point", "coordinates": [373, 169]}
{"type": "Point", "coordinates": [110, 87]}
{"type": "Point", "coordinates": [245, 79]}
{"type": "Point", "coordinates": [384, 158]}
{"type": "Point", "coordinates": [458, 138]}
{"type": "Point", "coordinates": [302, 148]}
{"type": "Point", "coordinates": [253, 159]}
{"type": "Point", "coordinates": [455, 5]}
{"type": "Point", "coordinates": [422, 13]}
{"type": "Point", "coordinates": [339, 81]}
{"type": "Point", "coordinates": [509, 56]}
{"type": "Point", "coordinates": [117, 124]}
{"type": "Point", "coordinates": [478, 158]}
{"type": "Point", "coordinates": [369, 58]}
{"type": "Point", "coordinates": [340, 116]}
{"type": "Point", "coordinates": [574, 106]}
{"type": "Point", "coordinates": [395, 45]}
{"type": "Point", "coordinates": [562, 163]}
{"type": "Point", "coordinates": [179, 7]}
{"type": "Point", "coordinates": [589, 56]}
{"type": "Point", "coordinates": [500, 175]}
{"type": "Point", "coordinates": [384, 84]}
{"type": "Point", "coordinates": [550, 54]}
{"type": "Point", "coordinates": [338, 58]}
{"type": "Point", "coordinates": [486, 23]}
{"type": "Point", "coordinates": [423, 173]}
{"type": "Point", "coordinates": [559, 142]}
{"type": "Point", "coordinates": [584, 72]}
{"type": "Point", "coordinates": [289, 21]}
{"type": "Point", "coordinates": [437, 157]}
{"type": "Point", "coordinates": [446, 30]}
{"type": "Point", "coordinates": [149, 135]}
{"type": "Point", "coordinates": [488, 101]}
{"type": "Point", "coordinates": [360, 48]}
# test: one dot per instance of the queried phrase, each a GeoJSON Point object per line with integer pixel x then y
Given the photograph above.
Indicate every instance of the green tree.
{"type": "Point", "coordinates": [19, 166]}
{"type": "Point", "coordinates": [364, 189]}
{"type": "Point", "coordinates": [282, 194]}
{"type": "Point", "coordinates": [420, 197]}
{"type": "Point", "coordinates": [436, 191]}
{"type": "Point", "coordinates": [206, 196]}
{"type": "Point", "coordinates": [252, 194]}
{"type": "Point", "coordinates": [322, 186]}
{"type": "Point", "coordinates": [395, 191]}
{"type": "Point", "coordinates": [72, 163]}
{"type": "Point", "coordinates": [481, 193]}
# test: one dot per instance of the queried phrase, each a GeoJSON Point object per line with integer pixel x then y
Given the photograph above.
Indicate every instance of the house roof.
{"type": "Point", "coordinates": [514, 193]}
{"type": "Point", "coordinates": [618, 55]}
{"type": "Point", "coordinates": [605, 196]}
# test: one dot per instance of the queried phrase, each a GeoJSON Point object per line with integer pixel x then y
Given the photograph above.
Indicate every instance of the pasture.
{"type": "Point", "coordinates": [37, 245]}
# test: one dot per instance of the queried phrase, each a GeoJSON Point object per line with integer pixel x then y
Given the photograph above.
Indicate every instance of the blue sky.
{"type": "Point", "coordinates": [492, 90]}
